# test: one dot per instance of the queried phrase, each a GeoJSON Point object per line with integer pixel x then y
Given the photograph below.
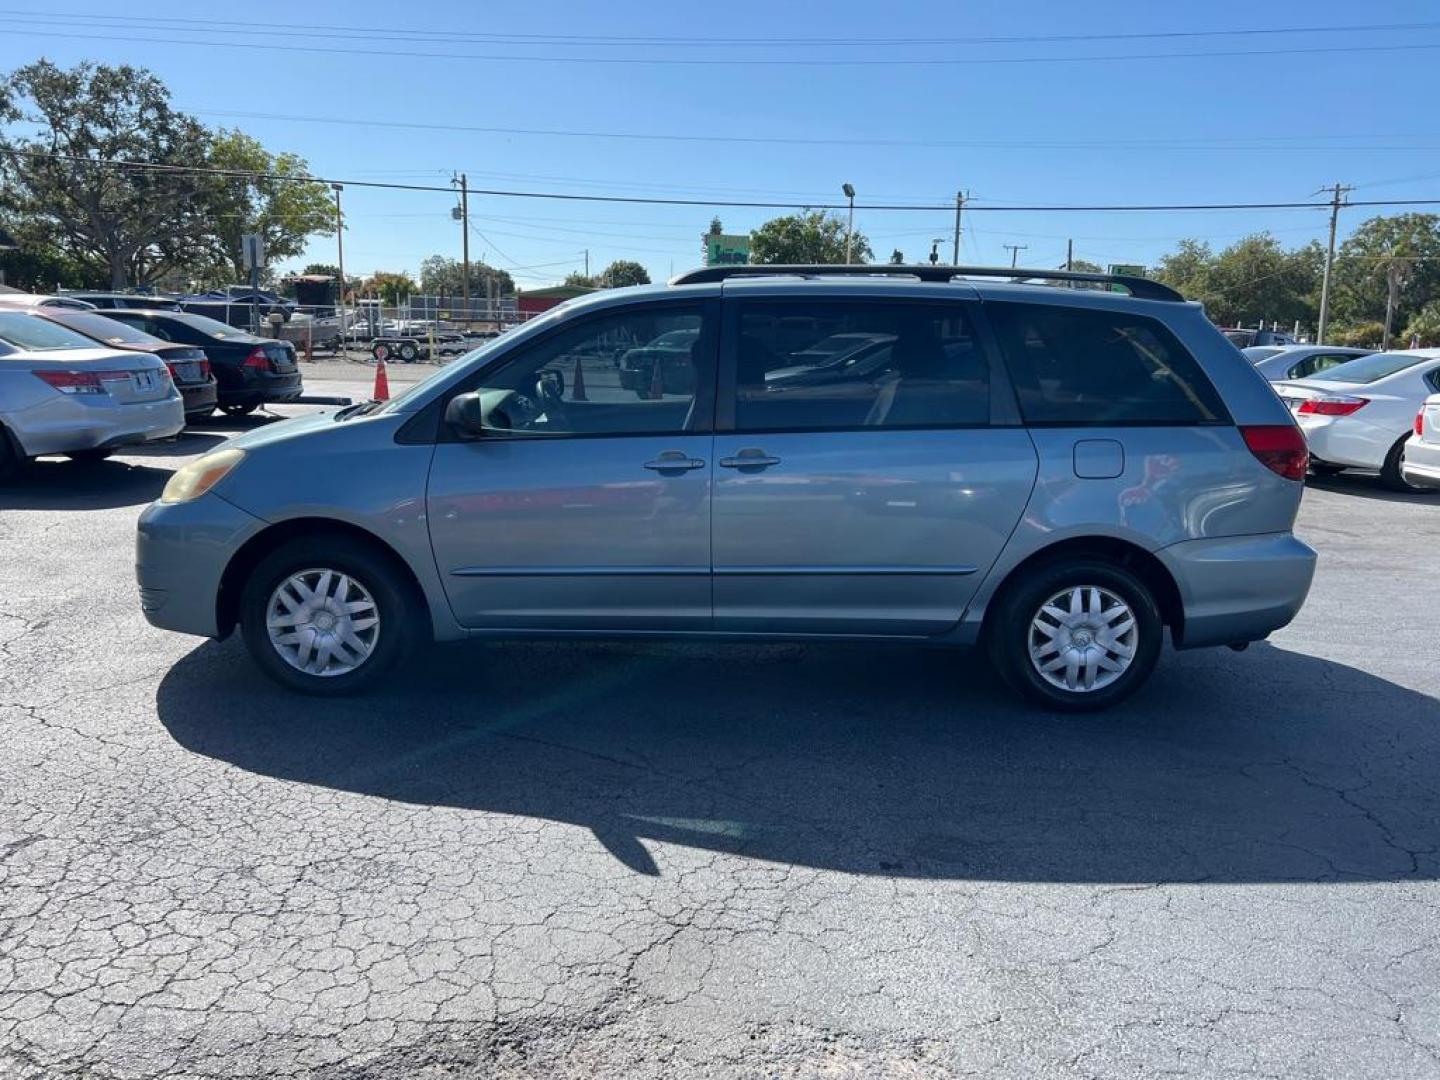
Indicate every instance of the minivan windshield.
{"type": "Point", "coordinates": [1369, 369]}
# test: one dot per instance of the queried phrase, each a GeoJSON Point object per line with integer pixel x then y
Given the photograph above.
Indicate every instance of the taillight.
{"type": "Point", "coordinates": [1332, 405]}
{"type": "Point", "coordinates": [81, 382]}
{"type": "Point", "coordinates": [204, 368]}
{"type": "Point", "coordinates": [258, 361]}
{"type": "Point", "coordinates": [1420, 423]}
{"type": "Point", "coordinates": [1279, 447]}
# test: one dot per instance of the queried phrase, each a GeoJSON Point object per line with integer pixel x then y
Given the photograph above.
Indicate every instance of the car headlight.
{"type": "Point", "coordinates": [197, 477]}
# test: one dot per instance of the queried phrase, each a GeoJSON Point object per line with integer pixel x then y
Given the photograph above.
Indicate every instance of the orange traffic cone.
{"type": "Point", "coordinates": [657, 380]}
{"type": "Point", "coordinates": [382, 382]}
{"type": "Point", "coordinates": [577, 383]}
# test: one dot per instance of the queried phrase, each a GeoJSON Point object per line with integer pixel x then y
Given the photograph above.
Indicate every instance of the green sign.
{"type": "Point", "coordinates": [1126, 269]}
{"type": "Point", "coordinates": [724, 250]}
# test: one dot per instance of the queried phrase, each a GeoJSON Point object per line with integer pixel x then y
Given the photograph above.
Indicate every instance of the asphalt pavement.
{"type": "Point", "coordinates": [567, 860]}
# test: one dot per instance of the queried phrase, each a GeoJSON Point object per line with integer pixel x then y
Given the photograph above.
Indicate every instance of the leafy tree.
{"type": "Point", "coordinates": [582, 280]}
{"type": "Point", "coordinates": [811, 236]}
{"type": "Point", "coordinates": [38, 264]}
{"type": "Point", "coordinates": [390, 286]}
{"type": "Point", "coordinates": [623, 272]}
{"type": "Point", "coordinates": [1365, 335]}
{"type": "Point", "coordinates": [284, 212]}
{"type": "Point", "coordinates": [444, 276]}
{"type": "Point", "coordinates": [716, 228]}
{"type": "Point", "coordinates": [1253, 279]}
{"type": "Point", "coordinates": [1086, 266]}
{"type": "Point", "coordinates": [897, 257]}
{"type": "Point", "coordinates": [1425, 325]}
{"type": "Point", "coordinates": [129, 224]}
{"type": "Point", "coordinates": [1363, 262]}
{"type": "Point", "coordinates": [1187, 268]}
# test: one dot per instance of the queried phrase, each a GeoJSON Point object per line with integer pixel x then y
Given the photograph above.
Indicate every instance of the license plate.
{"type": "Point", "coordinates": [143, 381]}
{"type": "Point", "coordinates": [187, 372]}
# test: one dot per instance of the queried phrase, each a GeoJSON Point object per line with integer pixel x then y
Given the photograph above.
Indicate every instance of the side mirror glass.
{"type": "Point", "coordinates": [466, 415]}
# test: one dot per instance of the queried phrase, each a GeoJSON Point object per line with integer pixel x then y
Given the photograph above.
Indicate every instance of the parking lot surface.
{"type": "Point", "coordinates": [709, 860]}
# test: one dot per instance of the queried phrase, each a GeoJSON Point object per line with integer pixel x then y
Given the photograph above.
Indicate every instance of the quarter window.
{"type": "Point", "coordinates": [856, 365]}
{"type": "Point", "coordinates": [1094, 367]}
{"type": "Point", "coordinates": [633, 372]}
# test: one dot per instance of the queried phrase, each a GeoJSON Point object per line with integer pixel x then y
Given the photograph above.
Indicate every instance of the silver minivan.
{"type": "Point", "coordinates": [1055, 474]}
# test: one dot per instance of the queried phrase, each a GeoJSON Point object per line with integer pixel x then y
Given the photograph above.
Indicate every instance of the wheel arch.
{"type": "Point", "coordinates": [1149, 569]}
{"type": "Point", "coordinates": [232, 581]}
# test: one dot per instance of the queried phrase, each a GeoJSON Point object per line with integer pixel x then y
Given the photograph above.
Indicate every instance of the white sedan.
{"type": "Point", "coordinates": [1421, 465]}
{"type": "Point", "coordinates": [1359, 415]}
{"type": "Point", "coordinates": [1280, 362]}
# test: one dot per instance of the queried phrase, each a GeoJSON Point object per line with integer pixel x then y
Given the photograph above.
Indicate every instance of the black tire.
{"type": "Point", "coordinates": [380, 352]}
{"type": "Point", "coordinates": [1324, 468]}
{"type": "Point", "coordinates": [1008, 631]}
{"type": "Point", "coordinates": [1391, 476]}
{"type": "Point", "coordinates": [89, 457]}
{"type": "Point", "coordinates": [238, 410]}
{"type": "Point", "coordinates": [408, 353]}
{"type": "Point", "coordinates": [375, 571]}
{"type": "Point", "coordinates": [11, 460]}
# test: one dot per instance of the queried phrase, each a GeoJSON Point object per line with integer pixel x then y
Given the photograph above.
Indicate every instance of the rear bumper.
{"type": "Point", "coordinates": [200, 398]}
{"type": "Point", "coordinates": [181, 552]}
{"type": "Point", "coordinates": [61, 425]}
{"type": "Point", "coordinates": [1421, 463]}
{"type": "Point", "coordinates": [264, 388]}
{"type": "Point", "coordinates": [1238, 588]}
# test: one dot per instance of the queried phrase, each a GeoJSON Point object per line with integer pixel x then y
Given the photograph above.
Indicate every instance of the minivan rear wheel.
{"type": "Point", "coordinates": [327, 615]}
{"type": "Point", "coordinates": [1076, 635]}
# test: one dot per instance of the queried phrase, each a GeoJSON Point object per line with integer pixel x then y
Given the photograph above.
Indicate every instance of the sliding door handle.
{"type": "Point", "coordinates": [674, 461]}
{"type": "Point", "coordinates": [749, 458]}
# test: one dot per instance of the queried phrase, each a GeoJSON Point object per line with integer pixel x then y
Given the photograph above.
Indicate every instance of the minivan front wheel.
{"type": "Point", "coordinates": [326, 616]}
{"type": "Point", "coordinates": [1076, 635]}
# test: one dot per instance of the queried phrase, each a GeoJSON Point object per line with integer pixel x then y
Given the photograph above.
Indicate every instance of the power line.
{"type": "Point", "coordinates": [673, 61]}
{"type": "Point", "coordinates": [721, 203]}
{"type": "Point", "coordinates": [708, 42]}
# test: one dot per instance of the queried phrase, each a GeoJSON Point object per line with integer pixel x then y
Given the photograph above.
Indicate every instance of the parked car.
{"type": "Point", "coordinates": [1054, 474]}
{"type": "Point", "coordinates": [1359, 415]}
{"type": "Point", "coordinates": [1280, 362]}
{"type": "Point", "coordinates": [61, 393]}
{"type": "Point", "coordinates": [1420, 464]}
{"type": "Point", "coordinates": [1244, 339]}
{"type": "Point", "coordinates": [35, 300]}
{"type": "Point", "coordinates": [113, 300]}
{"type": "Point", "coordinates": [671, 351]}
{"type": "Point", "coordinates": [250, 371]}
{"type": "Point", "coordinates": [189, 368]}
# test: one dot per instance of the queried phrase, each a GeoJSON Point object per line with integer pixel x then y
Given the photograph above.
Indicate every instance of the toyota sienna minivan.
{"type": "Point", "coordinates": [1058, 475]}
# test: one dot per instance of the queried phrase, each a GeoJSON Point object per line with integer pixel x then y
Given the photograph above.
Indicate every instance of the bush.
{"type": "Point", "coordinates": [1366, 335]}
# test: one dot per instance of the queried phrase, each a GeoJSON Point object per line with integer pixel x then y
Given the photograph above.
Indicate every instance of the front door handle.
{"type": "Point", "coordinates": [674, 461]}
{"type": "Point", "coordinates": [750, 458]}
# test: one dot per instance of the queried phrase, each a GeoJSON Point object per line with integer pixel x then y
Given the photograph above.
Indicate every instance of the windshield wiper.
{"type": "Point", "coordinates": [359, 409]}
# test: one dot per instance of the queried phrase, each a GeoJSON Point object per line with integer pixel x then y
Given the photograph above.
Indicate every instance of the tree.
{"type": "Point", "coordinates": [811, 236]}
{"type": "Point", "coordinates": [1362, 268]}
{"type": "Point", "coordinates": [286, 213]}
{"type": "Point", "coordinates": [623, 272]}
{"type": "Point", "coordinates": [1254, 278]}
{"type": "Point", "coordinates": [129, 224]}
{"type": "Point", "coordinates": [1187, 268]}
{"type": "Point", "coordinates": [582, 281]}
{"type": "Point", "coordinates": [1425, 325]}
{"type": "Point", "coordinates": [390, 286]}
{"type": "Point", "coordinates": [1085, 266]}
{"type": "Point", "coordinates": [897, 257]}
{"type": "Point", "coordinates": [716, 229]}
{"type": "Point", "coordinates": [443, 276]}
{"type": "Point", "coordinates": [37, 263]}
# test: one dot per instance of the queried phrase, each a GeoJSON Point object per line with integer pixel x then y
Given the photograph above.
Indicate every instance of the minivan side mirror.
{"type": "Point", "coordinates": [466, 415]}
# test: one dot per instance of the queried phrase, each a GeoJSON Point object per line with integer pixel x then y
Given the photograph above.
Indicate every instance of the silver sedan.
{"type": "Point", "coordinates": [62, 394]}
{"type": "Point", "coordinates": [1277, 362]}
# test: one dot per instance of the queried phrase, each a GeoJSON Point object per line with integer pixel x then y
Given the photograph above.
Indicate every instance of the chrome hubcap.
{"type": "Point", "coordinates": [322, 622]}
{"type": "Point", "coordinates": [1083, 639]}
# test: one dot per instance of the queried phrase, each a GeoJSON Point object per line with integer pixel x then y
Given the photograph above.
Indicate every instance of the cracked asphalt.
{"type": "Point", "coordinates": [562, 860]}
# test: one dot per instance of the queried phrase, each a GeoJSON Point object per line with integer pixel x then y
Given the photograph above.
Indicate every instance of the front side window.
{"type": "Point", "coordinates": [631, 372]}
{"type": "Point", "coordinates": [831, 365]}
{"type": "Point", "coordinates": [1087, 366]}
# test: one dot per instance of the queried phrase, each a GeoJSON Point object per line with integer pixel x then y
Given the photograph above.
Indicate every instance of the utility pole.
{"type": "Point", "coordinates": [1069, 254]}
{"type": "Point", "coordinates": [340, 255]}
{"type": "Point", "coordinates": [849, 192]}
{"type": "Point", "coordinates": [1015, 250]}
{"type": "Point", "coordinates": [1338, 193]}
{"type": "Point", "coordinates": [587, 262]}
{"type": "Point", "coordinates": [464, 240]}
{"type": "Point", "coordinates": [955, 248]}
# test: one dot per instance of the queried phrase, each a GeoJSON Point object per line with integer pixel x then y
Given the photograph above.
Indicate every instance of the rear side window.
{"type": "Point", "coordinates": [852, 365]}
{"type": "Point", "coordinates": [1086, 367]}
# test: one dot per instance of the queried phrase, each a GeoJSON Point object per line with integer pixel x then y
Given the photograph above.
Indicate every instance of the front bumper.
{"type": "Point", "coordinates": [181, 552]}
{"type": "Point", "coordinates": [1238, 588]}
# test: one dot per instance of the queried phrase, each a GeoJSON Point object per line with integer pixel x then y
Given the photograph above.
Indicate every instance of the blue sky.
{"type": "Point", "coordinates": [1093, 119]}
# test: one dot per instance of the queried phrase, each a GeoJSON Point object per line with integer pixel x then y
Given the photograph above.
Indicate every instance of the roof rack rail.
{"type": "Point", "coordinates": [1141, 288]}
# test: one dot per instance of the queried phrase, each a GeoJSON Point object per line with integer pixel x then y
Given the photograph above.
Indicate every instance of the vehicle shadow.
{"type": "Point", "coordinates": [1271, 766]}
{"type": "Point", "coordinates": [1368, 486]}
{"type": "Point", "coordinates": [69, 485]}
{"type": "Point", "coordinates": [188, 441]}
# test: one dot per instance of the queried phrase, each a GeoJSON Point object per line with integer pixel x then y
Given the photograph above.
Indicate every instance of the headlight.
{"type": "Point", "coordinates": [197, 477]}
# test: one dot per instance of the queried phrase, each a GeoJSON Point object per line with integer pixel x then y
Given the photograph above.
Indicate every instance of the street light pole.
{"type": "Point", "coordinates": [340, 255]}
{"type": "Point", "coordinates": [850, 229]}
{"type": "Point", "coordinates": [465, 244]}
